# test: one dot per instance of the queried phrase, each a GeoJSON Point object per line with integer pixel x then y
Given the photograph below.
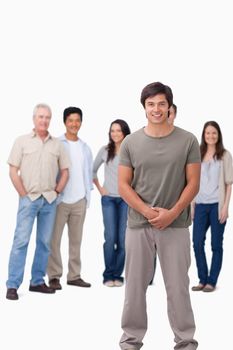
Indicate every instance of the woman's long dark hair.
{"type": "Point", "coordinates": [219, 145]}
{"type": "Point", "coordinates": [111, 145]}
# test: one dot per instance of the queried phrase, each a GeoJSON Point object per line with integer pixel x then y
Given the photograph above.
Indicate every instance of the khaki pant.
{"type": "Point", "coordinates": [173, 248]}
{"type": "Point", "coordinates": [73, 215]}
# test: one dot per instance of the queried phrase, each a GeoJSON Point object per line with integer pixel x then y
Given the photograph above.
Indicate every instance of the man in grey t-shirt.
{"type": "Point", "coordinates": [159, 175]}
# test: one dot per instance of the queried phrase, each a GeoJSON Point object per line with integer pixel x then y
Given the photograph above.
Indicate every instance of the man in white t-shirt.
{"type": "Point", "coordinates": [74, 201]}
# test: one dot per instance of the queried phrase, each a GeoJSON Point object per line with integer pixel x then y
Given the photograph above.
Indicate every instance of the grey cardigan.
{"type": "Point", "coordinates": [225, 178]}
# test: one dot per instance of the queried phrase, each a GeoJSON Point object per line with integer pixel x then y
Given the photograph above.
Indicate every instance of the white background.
{"type": "Point", "coordinates": [98, 55]}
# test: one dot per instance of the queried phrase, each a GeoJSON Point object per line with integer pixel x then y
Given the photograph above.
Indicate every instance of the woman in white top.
{"type": "Point", "coordinates": [210, 208]}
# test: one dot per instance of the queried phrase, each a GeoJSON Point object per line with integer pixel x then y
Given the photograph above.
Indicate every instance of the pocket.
{"type": "Point", "coordinates": [29, 150]}
{"type": "Point", "coordinates": [30, 154]}
{"type": "Point", "coordinates": [53, 156]}
{"type": "Point", "coordinates": [58, 199]}
{"type": "Point", "coordinates": [105, 199]}
{"type": "Point", "coordinates": [25, 198]}
{"type": "Point", "coordinates": [53, 153]}
{"type": "Point", "coordinates": [24, 202]}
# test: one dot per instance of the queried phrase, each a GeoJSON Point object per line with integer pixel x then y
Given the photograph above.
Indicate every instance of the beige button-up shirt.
{"type": "Point", "coordinates": [39, 163]}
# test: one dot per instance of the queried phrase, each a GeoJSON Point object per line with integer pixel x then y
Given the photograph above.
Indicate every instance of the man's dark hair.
{"type": "Point", "coordinates": [155, 89]}
{"type": "Point", "coordinates": [70, 110]}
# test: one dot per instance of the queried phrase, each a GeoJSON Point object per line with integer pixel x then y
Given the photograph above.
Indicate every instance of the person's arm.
{"type": "Point", "coordinates": [97, 163]}
{"type": "Point", "coordinates": [224, 211]}
{"type": "Point", "coordinates": [89, 159]}
{"type": "Point", "coordinates": [102, 190]}
{"type": "Point", "coordinates": [17, 181]}
{"type": "Point", "coordinates": [192, 205]}
{"type": "Point", "coordinates": [228, 172]}
{"type": "Point", "coordinates": [125, 176]}
{"type": "Point", "coordinates": [167, 216]}
{"type": "Point", "coordinates": [64, 176]}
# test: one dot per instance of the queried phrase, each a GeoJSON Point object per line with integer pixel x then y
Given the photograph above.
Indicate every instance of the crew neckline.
{"type": "Point", "coordinates": [158, 137]}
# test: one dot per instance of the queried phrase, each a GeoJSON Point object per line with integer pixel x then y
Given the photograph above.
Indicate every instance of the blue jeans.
{"type": "Point", "coordinates": [115, 218]}
{"type": "Point", "coordinates": [206, 215]}
{"type": "Point", "coordinates": [27, 212]}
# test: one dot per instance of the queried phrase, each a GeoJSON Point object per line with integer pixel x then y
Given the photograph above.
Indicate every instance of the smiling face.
{"type": "Point", "coordinates": [41, 120]}
{"type": "Point", "coordinates": [211, 135]}
{"type": "Point", "coordinates": [157, 108]}
{"type": "Point", "coordinates": [116, 133]}
{"type": "Point", "coordinates": [73, 124]}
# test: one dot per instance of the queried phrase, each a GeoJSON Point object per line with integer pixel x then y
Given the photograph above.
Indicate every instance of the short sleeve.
{"type": "Point", "coordinates": [124, 155]}
{"type": "Point", "coordinates": [194, 155]}
{"type": "Point", "coordinates": [64, 159]}
{"type": "Point", "coordinates": [99, 160]}
{"type": "Point", "coordinates": [16, 153]}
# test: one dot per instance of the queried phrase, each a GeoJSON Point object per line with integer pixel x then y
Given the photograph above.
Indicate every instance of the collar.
{"type": "Point", "coordinates": [34, 134]}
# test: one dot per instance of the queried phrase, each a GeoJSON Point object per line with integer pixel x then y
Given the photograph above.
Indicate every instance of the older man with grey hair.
{"type": "Point", "coordinates": [34, 161]}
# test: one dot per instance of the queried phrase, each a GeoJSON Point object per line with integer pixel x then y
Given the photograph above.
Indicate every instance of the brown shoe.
{"type": "Point", "coordinates": [55, 284]}
{"type": "Point", "coordinates": [79, 283]}
{"type": "Point", "coordinates": [208, 288]}
{"type": "Point", "coordinates": [198, 288]}
{"type": "Point", "coordinates": [12, 294]}
{"type": "Point", "coordinates": [41, 288]}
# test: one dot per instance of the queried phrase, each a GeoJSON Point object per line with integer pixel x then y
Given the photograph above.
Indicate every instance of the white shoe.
{"type": "Point", "coordinates": [109, 284]}
{"type": "Point", "coordinates": [118, 283]}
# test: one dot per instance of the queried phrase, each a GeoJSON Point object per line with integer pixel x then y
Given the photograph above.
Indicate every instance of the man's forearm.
{"type": "Point", "coordinates": [228, 195]}
{"type": "Point", "coordinates": [188, 194]}
{"type": "Point", "coordinates": [134, 201]}
{"type": "Point", "coordinates": [17, 182]}
{"type": "Point", "coordinates": [62, 181]}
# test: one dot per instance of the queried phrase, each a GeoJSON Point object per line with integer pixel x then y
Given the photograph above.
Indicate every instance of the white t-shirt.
{"type": "Point", "coordinates": [75, 187]}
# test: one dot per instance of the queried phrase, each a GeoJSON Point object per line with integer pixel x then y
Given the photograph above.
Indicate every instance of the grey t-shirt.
{"type": "Point", "coordinates": [110, 171]}
{"type": "Point", "coordinates": [158, 165]}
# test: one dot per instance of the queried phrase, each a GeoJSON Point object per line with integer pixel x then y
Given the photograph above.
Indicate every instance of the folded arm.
{"type": "Point", "coordinates": [125, 177]}
{"type": "Point", "coordinates": [167, 216]}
